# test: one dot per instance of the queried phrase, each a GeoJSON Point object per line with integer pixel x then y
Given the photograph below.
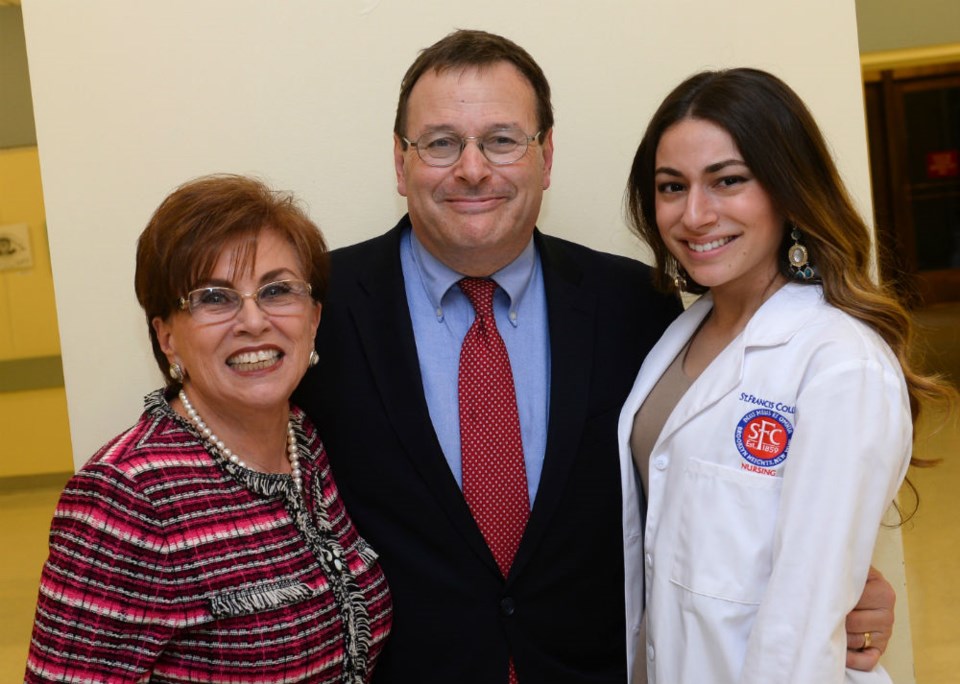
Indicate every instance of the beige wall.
{"type": "Point", "coordinates": [303, 93]}
{"type": "Point", "coordinates": [902, 24]}
{"type": "Point", "coordinates": [16, 111]}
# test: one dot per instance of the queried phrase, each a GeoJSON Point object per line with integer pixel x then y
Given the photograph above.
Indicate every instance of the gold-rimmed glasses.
{"type": "Point", "coordinates": [500, 146]}
{"type": "Point", "coordinates": [219, 304]}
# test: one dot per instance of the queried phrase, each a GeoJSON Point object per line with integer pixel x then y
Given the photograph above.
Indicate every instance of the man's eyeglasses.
{"type": "Point", "coordinates": [501, 146]}
{"type": "Point", "coordinates": [219, 304]}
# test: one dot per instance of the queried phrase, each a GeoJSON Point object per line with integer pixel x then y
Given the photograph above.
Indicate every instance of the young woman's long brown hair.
{"type": "Point", "coordinates": [784, 148]}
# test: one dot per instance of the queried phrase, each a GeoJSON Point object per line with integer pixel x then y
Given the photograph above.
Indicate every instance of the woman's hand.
{"type": "Point", "coordinates": [872, 615]}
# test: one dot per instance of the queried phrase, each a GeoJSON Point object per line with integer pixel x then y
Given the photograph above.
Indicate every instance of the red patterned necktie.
{"type": "Point", "coordinates": [491, 451]}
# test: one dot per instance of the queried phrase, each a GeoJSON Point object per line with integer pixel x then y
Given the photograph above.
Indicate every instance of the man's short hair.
{"type": "Point", "coordinates": [467, 48]}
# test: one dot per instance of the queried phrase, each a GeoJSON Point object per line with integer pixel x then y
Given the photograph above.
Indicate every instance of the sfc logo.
{"type": "Point", "coordinates": [762, 437]}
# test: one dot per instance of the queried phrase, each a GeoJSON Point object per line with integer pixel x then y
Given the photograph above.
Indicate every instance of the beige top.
{"type": "Point", "coordinates": [653, 414]}
{"type": "Point", "coordinates": [647, 426]}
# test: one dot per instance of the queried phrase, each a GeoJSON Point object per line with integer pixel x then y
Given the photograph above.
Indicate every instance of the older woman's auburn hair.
{"type": "Point", "coordinates": [186, 235]}
{"type": "Point", "coordinates": [782, 145]}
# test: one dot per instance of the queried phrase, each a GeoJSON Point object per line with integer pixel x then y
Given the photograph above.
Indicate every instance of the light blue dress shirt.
{"type": "Point", "coordinates": [441, 316]}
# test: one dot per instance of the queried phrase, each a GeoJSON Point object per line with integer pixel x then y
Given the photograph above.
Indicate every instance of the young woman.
{"type": "Point", "coordinates": [772, 424]}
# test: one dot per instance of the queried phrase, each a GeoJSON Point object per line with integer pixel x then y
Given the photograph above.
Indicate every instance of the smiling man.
{"type": "Point", "coordinates": [472, 373]}
{"type": "Point", "coordinates": [473, 205]}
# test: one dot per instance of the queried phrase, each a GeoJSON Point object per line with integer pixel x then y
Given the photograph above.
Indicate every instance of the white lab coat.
{"type": "Point", "coordinates": [752, 556]}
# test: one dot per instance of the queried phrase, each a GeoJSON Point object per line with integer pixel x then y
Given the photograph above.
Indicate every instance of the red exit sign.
{"type": "Point", "coordinates": [943, 164]}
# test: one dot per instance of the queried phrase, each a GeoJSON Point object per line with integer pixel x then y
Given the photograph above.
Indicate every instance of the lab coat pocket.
{"type": "Point", "coordinates": [724, 544]}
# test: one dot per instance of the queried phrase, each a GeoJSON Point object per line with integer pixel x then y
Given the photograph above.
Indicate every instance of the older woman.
{"type": "Point", "coordinates": [208, 542]}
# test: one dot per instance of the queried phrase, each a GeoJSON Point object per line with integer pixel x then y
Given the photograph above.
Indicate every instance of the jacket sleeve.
{"type": "Point", "coordinates": [100, 616]}
{"type": "Point", "coordinates": [847, 458]}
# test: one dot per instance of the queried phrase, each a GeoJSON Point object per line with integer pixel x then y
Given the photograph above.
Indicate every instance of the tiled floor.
{"type": "Point", "coordinates": [931, 546]}
{"type": "Point", "coordinates": [25, 513]}
{"type": "Point", "coordinates": [931, 541]}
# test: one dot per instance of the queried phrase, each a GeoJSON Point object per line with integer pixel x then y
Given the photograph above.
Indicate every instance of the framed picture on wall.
{"type": "Point", "coordinates": [15, 247]}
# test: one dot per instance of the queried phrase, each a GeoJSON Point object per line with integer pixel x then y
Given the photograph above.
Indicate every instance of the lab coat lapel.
{"type": "Point", "coordinates": [774, 323]}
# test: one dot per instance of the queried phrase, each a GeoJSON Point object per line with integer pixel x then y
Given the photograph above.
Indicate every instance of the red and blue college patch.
{"type": "Point", "coordinates": [762, 437]}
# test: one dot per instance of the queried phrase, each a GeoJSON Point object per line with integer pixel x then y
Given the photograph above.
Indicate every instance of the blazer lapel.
{"type": "Point", "coordinates": [570, 311]}
{"type": "Point", "coordinates": [380, 312]}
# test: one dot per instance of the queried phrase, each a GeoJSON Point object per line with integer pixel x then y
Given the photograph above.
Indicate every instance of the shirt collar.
{"type": "Point", "coordinates": [514, 278]}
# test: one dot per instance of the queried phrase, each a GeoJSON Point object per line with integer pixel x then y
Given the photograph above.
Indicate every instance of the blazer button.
{"type": "Point", "coordinates": [507, 606]}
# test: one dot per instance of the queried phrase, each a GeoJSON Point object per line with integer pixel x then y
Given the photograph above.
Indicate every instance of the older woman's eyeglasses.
{"type": "Point", "coordinates": [501, 146]}
{"type": "Point", "coordinates": [218, 304]}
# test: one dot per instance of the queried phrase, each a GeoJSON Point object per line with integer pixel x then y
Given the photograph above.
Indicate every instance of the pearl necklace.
{"type": "Point", "coordinates": [293, 454]}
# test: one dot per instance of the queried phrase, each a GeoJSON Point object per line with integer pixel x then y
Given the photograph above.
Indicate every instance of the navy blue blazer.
{"type": "Point", "coordinates": [560, 612]}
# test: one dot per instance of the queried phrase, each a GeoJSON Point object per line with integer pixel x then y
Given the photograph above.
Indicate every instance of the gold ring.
{"type": "Point", "coordinates": [867, 641]}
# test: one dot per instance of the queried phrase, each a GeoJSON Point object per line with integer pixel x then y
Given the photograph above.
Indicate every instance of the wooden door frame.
{"type": "Point", "coordinates": [885, 82]}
